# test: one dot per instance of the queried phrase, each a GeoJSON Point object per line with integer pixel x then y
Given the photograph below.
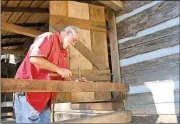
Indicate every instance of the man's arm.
{"type": "Point", "coordinates": [43, 63]}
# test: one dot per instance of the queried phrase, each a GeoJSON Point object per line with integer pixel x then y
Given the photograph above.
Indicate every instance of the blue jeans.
{"type": "Point", "coordinates": [25, 113]}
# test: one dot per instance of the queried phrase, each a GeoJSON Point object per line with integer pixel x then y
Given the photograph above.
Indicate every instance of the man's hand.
{"type": "Point", "coordinates": [82, 79]}
{"type": "Point", "coordinates": [64, 72]}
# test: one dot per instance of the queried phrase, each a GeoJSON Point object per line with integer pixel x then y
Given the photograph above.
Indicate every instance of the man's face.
{"type": "Point", "coordinates": [70, 39]}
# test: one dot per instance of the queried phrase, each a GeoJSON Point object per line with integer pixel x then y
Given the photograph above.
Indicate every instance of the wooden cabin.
{"type": "Point", "coordinates": [126, 42]}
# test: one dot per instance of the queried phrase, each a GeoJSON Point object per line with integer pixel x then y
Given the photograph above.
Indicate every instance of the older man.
{"type": "Point", "coordinates": [47, 54]}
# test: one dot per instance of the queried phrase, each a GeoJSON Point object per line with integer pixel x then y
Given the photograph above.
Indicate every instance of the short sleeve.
{"type": "Point", "coordinates": [41, 46]}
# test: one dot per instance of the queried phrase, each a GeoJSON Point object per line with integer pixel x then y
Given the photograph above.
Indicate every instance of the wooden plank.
{"type": "Point", "coordinates": [148, 98]}
{"type": "Point", "coordinates": [150, 37]}
{"type": "Point", "coordinates": [16, 51]}
{"type": "Point", "coordinates": [76, 58]}
{"type": "Point", "coordinates": [6, 15]}
{"type": "Point", "coordinates": [129, 6]}
{"type": "Point", "coordinates": [16, 15]}
{"type": "Point", "coordinates": [151, 109]}
{"type": "Point", "coordinates": [81, 23]}
{"type": "Point", "coordinates": [15, 85]}
{"type": "Point", "coordinates": [34, 16]}
{"type": "Point", "coordinates": [87, 72]}
{"type": "Point", "coordinates": [114, 49]}
{"type": "Point", "coordinates": [150, 64]}
{"type": "Point", "coordinates": [164, 72]}
{"type": "Point", "coordinates": [98, 106]}
{"type": "Point", "coordinates": [99, 43]}
{"type": "Point", "coordinates": [157, 14]}
{"type": "Point", "coordinates": [26, 15]}
{"type": "Point", "coordinates": [43, 17]}
{"type": "Point", "coordinates": [115, 117]}
{"type": "Point", "coordinates": [24, 9]}
{"type": "Point", "coordinates": [115, 5]}
{"type": "Point", "coordinates": [149, 46]}
{"type": "Point", "coordinates": [20, 30]}
{"type": "Point", "coordinates": [90, 56]}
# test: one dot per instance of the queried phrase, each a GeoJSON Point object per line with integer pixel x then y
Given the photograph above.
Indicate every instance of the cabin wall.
{"type": "Point", "coordinates": [148, 36]}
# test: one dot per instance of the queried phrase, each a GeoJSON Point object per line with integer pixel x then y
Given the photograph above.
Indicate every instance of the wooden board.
{"type": "Point", "coordinates": [150, 64]}
{"type": "Point", "coordinates": [151, 109]}
{"type": "Point", "coordinates": [26, 15]}
{"type": "Point", "coordinates": [150, 37]}
{"type": "Point", "coordinates": [98, 106]}
{"type": "Point", "coordinates": [159, 13]}
{"type": "Point", "coordinates": [149, 46]}
{"type": "Point", "coordinates": [115, 5]}
{"type": "Point", "coordinates": [114, 49]}
{"type": "Point", "coordinates": [16, 85]}
{"type": "Point", "coordinates": [148, 98]}
{"type": "Point", "coordinates": [129, 6]}
{"type": "Point", "coordinates": [164, 72]}
{"type": "Point", "coordinates": [115, 117]}
{"type": "Point", "coordinates": [99, 43]}
{"type": "Point", "coordinates": [7, 15]}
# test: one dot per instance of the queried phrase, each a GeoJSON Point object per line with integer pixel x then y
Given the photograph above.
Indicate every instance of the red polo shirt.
{"type": "Point", "coordinates": [49, 46]}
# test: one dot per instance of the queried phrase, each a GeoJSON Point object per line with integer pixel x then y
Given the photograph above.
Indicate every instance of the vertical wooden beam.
{"type": "Point", "coordinates": [99, 43]}
{"type": "Point", "coordinates": [114, 49]}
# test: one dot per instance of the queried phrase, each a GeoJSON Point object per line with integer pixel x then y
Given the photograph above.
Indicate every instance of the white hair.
{"type": "Point", "coordinates": [73, 29]}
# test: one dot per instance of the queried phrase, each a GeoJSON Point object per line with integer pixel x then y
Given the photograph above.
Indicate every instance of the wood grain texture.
{"type": "Point", "coordinates": [129, 6]}
{"type": "Point", "coordinates": [148, 98]}
{"type": "Point", "coordinates": [149, 46]}
{"type": "Point", "coordinates": [115, 5]}
{"type": "Point", "coordinates": [151, 64]}
{"type": "Point", "coordinates": [165, 72]}
{"type": "Point", "coordinates": [15, 85]}
{"type": "Point", "coordinates": [81, 23]}
{"type": "Point", "coordinates": [150, 37]}
{"type": "Point", "coordinates": [97, 106]}
{"type": "Point", "coordinates": [151, 109]}
{"type": "Point", "coordinates": [145, 19]}
{"type": "Point", "coordinates": [80, 11]}
{"type": "Point", "coordinates": [115, 117]}
{"type": "Point", "coordinates": [114, 50]}
{"type": "Point", "coordinates": [91, 56]}
{"type": "Point", "coordinates": [99, 43]}
{"type": "Point", "coordinates": [20, 30]}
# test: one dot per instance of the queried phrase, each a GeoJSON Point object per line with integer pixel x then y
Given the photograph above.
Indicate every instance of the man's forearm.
{"type": "Point", "coordinates": [44, 64]}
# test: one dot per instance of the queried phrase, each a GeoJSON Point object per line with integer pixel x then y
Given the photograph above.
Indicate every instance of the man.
{"type": "Point", "coordinates": [47, 54]}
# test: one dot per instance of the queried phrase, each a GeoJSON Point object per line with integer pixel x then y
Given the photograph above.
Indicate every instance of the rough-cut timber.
{"type": "Point", "coordinates": [23, 9]}
{"type": "Point", "coordinates": [114, 48]}
{"type": "Point", "coordinates": [20, 30]}
{"type": "Point", "coordinates": [114, 117]}
{"type": "Point", "coordinates": [109, 105]}
{"type": "Point", "coordinates": [163, 72]}
{"type": "Point", "coordinates": [157, 14]}
{"type": "Point", "coordinates": [150, 37]}
{"type": "Point", "coordinates": [129, 6]}
{"type": "Point", "coordinates": [91, 75]}
{"type": "Point", "coordinates": [58, 20]}
{"type": "Point", "coordinates": [115, 5]}
{"type": "Point", "coordinates": [90, 56]}
{"type": "Point", "coordinates": [154, 63]}
{"type": "Point", "coordinates": [16, 85]}
{"type": "Point", "coordinates": [149, 46]}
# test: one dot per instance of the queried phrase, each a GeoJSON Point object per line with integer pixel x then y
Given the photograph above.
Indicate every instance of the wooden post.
{"type": "Point", "coordinates": [114, 50]}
